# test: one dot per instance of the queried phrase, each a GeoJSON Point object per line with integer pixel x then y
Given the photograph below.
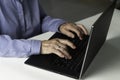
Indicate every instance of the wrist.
{"type": "Point", "coordinates": [61, 26]}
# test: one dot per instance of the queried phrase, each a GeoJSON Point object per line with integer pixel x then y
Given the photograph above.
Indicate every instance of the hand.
{"type": "Point", "coordinates": [68, 28]}
{"type": "Point", "coordinates": [57, 46]}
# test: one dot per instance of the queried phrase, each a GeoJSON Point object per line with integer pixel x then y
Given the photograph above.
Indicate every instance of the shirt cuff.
{"type": "Point", "coordinates": [56, 26]}
{"type": "Point", "coordinates": [35, 47]}
{"type": "Point", "coordinates": [51, 24]}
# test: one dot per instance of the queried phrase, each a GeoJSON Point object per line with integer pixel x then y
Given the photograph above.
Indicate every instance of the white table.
{"type": "Point", "coordinates": [106, 65]}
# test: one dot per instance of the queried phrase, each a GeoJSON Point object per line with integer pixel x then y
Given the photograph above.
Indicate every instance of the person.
{"type": "Point", "coordinates": [21, 19]}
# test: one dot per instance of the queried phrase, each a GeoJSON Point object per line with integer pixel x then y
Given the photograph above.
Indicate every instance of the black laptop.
{"type": "Point", "coordinates": [83, 55]}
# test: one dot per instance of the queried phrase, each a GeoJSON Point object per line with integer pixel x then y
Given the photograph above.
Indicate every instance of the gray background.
{"type": "Point", "coordinates": [74, 10]}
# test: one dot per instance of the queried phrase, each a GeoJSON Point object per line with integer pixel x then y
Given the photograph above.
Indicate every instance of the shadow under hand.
{"type": "Point", "coordinates": [108, 57]}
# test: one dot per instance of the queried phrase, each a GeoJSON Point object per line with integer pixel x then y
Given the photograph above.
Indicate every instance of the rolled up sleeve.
{"type": "Point", "coordinates": [18, 48]}
{"type": "Point", "coordinates": [35, 47]}
{"type": "Point", "coordinates": [51, 24]}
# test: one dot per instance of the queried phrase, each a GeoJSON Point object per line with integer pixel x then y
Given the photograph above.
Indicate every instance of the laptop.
{"type": "Point", "coordinates": [83, 55]}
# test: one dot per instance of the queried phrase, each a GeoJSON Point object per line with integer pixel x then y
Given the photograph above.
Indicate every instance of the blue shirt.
{"type": "Point", "coordinates": [19, 20]}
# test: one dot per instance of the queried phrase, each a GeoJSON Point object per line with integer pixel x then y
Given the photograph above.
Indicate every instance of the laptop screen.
{"type": "Point", "coordinates": [98, 36]}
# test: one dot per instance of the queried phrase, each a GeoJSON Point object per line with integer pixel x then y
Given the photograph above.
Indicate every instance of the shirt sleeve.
{"type": "Point", "coordinates": [18, 48]}
{"type": "Point", "coordinates": [51, 24]}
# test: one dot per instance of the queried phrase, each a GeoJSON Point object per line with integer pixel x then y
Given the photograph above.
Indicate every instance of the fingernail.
{"type": "Point", "coordinates": [62, 56]}
{"type": "Point", "coordinates": [70, 57]}
{"type": "Point", "coordinates": [80, 38]}
{"type": "Point", "coordinates": [85, 33]}
{"type": "Point", "coordinates": [72, 36]}
{"type": "Point", "coordinates": [74, 47]}
{"type": "Point", "coordinates": [65, 57]}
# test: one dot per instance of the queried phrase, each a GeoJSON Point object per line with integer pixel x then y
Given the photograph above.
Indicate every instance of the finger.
{"type": "Point", "coordinates": [57, 52]}
{"type": "Point", "coordinates": [62, 45]}
{"type": "Point", "coordinates": [69, 34]}
{"type": "Point", "coordinates": [63, 49]}
{"type": "Point", "coordinates": [66, 54]}
{"type": "Point", "coordinates": [68, 43]}
{"type": "Point", "coordinates": [75, 29]}
{"type": "Point", "coordinates": [83, 28]}
{"type": "Point", "coordinates": [58, 44]}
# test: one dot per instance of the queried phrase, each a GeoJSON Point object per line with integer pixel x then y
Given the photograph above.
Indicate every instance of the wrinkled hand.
{"type": "Point", "coordinates": [58, 47]}
{"type": "Point", "coordinates": [69, 28]}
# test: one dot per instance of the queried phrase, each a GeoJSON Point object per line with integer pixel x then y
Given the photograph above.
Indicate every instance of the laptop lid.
{"type": "Point", "coordinates": [97, 36]}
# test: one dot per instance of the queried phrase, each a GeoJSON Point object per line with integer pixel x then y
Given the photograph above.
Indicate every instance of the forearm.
{"type": "Point", "coordinates": [51, 24]}
{"type": "Point", "coordinates": [18, 48]}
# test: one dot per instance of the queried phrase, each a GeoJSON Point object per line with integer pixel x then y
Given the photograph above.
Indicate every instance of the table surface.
{"type": "Point", "coordinates": [105, 66]}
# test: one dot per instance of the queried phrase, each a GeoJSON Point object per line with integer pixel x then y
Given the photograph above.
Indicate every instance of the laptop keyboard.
{"type": "Point", "coordinates": [77, 54]}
